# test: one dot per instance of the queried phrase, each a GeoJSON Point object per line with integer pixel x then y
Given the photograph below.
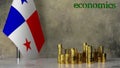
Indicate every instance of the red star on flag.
{"type": "Point", "coordinates": [27, 44]}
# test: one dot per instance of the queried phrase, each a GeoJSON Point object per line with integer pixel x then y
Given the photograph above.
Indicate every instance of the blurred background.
{"type": "Point", "coordinates": [62, 23]}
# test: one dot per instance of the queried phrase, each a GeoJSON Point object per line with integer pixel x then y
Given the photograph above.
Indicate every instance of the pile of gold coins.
{"type": "Point", "coordinates": [89, 55]}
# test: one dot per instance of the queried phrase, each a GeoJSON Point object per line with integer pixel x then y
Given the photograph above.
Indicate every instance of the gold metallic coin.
{"type": "Point", "coordinates": [73, 61]}
{"type": "Point", "coordinates": [79, 58]}
{"type": "Point", "coordinates": [67, 58]}
{"type": "Point", "coordinates": [67, 51]}
{"type": "Point", "coordinates": [59, 45]}
{"type": "Point", "coordinates": [59, 49]}
{"type": "Point", "coordinates": [86, 52]}
{"type": "Point", "coordinates": [95, 55]}
{"type": "Point", "coordinates": [89, 58]}
{"type": "Point", "coordinates": [73, 52]}
{"type": "Point", "coordinates": [83, 56]}
{"type": "Point", "coordinates": [89, 49]}
{"type": "Point", "coordinates": [101, 49]}
{"type": "Point", "coordinates": [59, 59]}
{"type": "Point", "coordinates": [84, 46]}
{"type": "Point", "coordinates": [89, 55]}
{"type": "Point", "coordinates": [99, 59]}
{"type": "Point", "coordinates": [62, 59]}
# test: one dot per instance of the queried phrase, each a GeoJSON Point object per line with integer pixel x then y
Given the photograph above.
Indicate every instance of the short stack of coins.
{"type": "Point", "coordinates": [67, 56]}
{"type": "Point", "coordinates": [79, 59]}
{"type": "Point", "coordinates": [101, 54]}
{"type": "Point", "coordinates": [95, 54]}
{"type": "Point", "coordinates": [62, 59]}
{"type": "Point", "coordinates": [73, 56]}
{"type": "Point", "coordinates": [88, 55]}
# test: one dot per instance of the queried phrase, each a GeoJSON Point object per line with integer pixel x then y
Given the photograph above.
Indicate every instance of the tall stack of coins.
{"type": "Point", "coordinates": [86, 52]}
{"type": "Point", "coordinates": [59, 52]}
{"type": "Point", "coordinates": [84, 59]}
{"type": "Point", "coordinates": [84, 47]}
{"type": "Point", "coordinates": [72, 56]}
{"type": "Point", "coordinates": [89, 55]}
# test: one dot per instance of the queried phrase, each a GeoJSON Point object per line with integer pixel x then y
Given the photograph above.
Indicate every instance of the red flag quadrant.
{"type": "Point", "coordinates": [36, 30]}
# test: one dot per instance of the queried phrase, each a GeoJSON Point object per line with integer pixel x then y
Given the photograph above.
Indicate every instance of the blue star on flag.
{"type": "Point", "coordinates": [24, 1]}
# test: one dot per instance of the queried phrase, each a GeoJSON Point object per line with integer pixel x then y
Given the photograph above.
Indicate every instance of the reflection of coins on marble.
{"type": "Point", "coordinates": [103, 57]}
{"type": "Point", "coordinates": [99, 59]}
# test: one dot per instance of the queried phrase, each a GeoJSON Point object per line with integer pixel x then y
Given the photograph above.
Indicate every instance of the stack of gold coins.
{"type": "Point", "coordinates": [62, 59]}
{"type": "Point", "coordinates": [100, 52]}
{"type": "Point", "coordinates": [84, 46]}
{"type": "Point", "coordinates": [67, 51]}
{"type": "Point", "coordinates": [99, 59]}
{"type": "Point", "coordinates": [59, 52]}
{"type": "Point", "coordinates": [73, 56]}
{"type": "Point", "coordinates": [59, 49]}
{"type": "Point", "coordinates": [89, 55]}
{"type": "Point", "coordinates": [67, 58]}
{"type": "Point", "coordinates": [101, 49]}
{"type": "Point", "coordinates": [86, 52]}
{"type": "Point", "coordinates": [83, 56]}
{"type": "Point", "coordinates": [95, 55]}
{"type": "Point", "coordinates": [103, 57]}
{"type": "Point", "coordinates": [79, 58]}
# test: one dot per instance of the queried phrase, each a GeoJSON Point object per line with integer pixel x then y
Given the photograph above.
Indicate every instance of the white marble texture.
{"type": "Point", "coordinates": [52, 63]}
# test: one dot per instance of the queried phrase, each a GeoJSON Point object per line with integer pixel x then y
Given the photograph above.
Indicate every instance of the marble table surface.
{"type": "Point", "coordinates": [52, 63]}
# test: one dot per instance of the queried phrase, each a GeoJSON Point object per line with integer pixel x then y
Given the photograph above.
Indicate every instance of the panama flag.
{"type": "Point", "coordinates": [24, 29]}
